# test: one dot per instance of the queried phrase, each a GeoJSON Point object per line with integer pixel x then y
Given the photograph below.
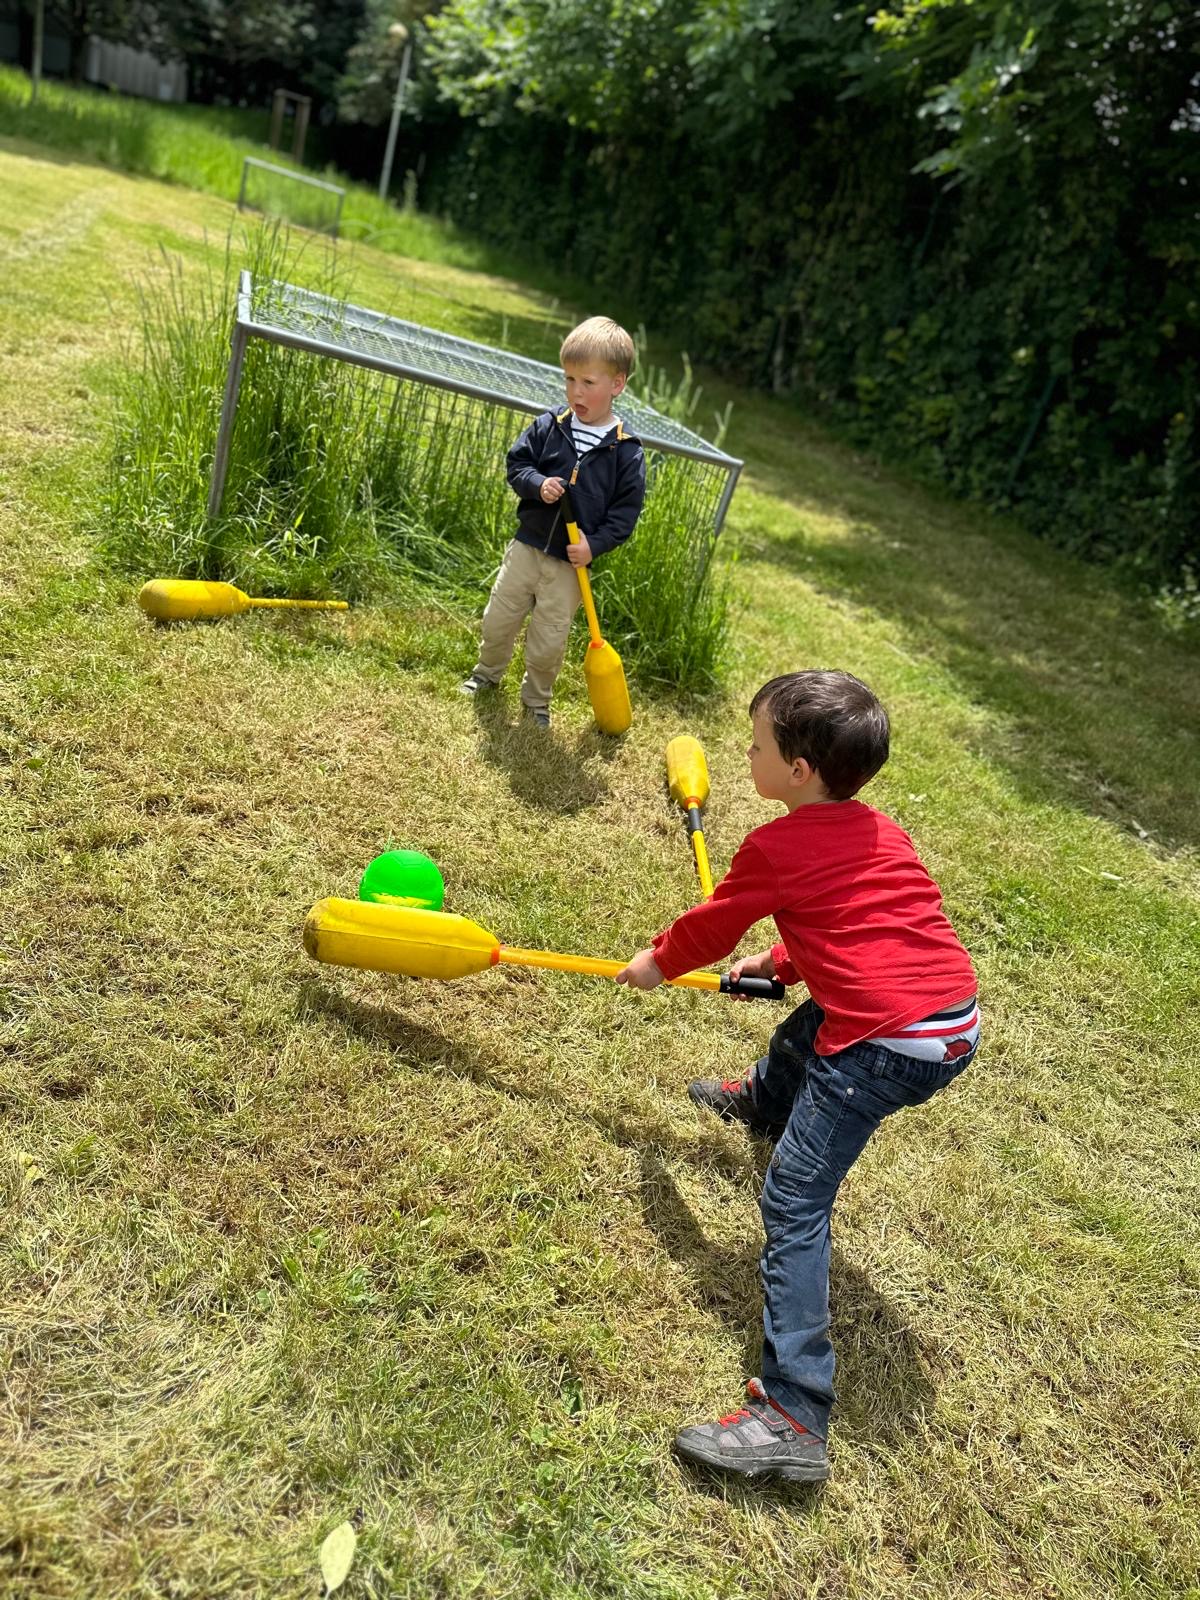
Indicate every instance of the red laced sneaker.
{"type": "Point", "coordinates": [759, 1439]}
{"type": "Point", "coordinates": [732, 1101]}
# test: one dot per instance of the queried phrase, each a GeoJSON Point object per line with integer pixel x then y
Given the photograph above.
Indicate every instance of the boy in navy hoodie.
{"type": "Point", "coordinates": [584, 447]}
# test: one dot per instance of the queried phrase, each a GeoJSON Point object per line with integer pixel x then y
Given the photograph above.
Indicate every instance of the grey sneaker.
{"type": "Point", "coordinates": [474, 683]}
{"type": "Point", "coordinates": [539, 715]}
{"type": "Point", "coordinates": [730, 1098]}
{"type": "Point", "coordinates": [759, 1439]}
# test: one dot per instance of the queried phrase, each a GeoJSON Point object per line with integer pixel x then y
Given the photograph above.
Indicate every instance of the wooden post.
{"type": "Point", "coordinates": [39, 34]}
{"type": "Point", "coordinates": [277, 118]}
{"type": "Point", "coordinates": [303, 106]}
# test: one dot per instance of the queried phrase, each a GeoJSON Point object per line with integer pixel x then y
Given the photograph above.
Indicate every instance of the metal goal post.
{"type": "Point", "coordinates": [250, 162]}
{"type": "Point", "coordinates": [282, 314]}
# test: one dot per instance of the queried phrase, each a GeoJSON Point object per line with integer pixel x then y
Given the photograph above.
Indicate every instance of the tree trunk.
{"type": "Point", "coordinates": [79, 22]}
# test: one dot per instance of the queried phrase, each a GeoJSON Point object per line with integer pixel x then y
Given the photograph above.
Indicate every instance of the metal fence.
{"type": "Point", "coordinates": [297, 177]}
{"type": "Point", "coordinates": [282, 314]}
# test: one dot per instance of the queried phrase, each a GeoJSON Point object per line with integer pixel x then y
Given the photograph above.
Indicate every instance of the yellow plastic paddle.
{"type": "Point", "coordinates": [687, 775]}
{"type": "Point", "coordinates": [439, 944]}
{"type": "Point", "coordinates": [189, 599]}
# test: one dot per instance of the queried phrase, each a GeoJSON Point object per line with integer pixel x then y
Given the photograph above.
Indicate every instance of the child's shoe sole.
{"type": "Point", "coordinates": [704, 1453]}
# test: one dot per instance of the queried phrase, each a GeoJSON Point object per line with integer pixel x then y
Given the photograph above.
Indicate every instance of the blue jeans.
{"type": "Point", "coordinates": [831, 1105]}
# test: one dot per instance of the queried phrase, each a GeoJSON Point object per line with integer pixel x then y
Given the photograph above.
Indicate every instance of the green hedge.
{"type": "Point", "coordinates": [1033, 346]}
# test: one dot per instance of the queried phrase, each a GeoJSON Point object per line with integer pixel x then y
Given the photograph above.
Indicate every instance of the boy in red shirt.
{"type": "Point", "coordinates": [892, 1018]}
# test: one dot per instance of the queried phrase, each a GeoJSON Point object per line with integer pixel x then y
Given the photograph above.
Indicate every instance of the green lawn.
{"type": "Point", "coordinates": [204, 148]}
{"type": "Point", "coordinates": [287, 1245]}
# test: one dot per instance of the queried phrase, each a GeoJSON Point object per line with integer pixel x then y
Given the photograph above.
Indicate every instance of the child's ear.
{"type": "Point", "coordinates": [619, 382]}
{"type": "Point", "coordinates": [802, 771]}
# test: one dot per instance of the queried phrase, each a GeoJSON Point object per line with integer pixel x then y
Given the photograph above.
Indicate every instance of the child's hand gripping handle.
{"type": "Point", "coordinates": [753, 988]}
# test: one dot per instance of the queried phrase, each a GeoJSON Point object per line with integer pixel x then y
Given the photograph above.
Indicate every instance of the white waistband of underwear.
{"type": "Point", "coordinates": [944, 1036]}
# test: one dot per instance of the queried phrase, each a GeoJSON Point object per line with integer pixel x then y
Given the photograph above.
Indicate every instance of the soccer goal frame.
{"type": "Point", "coordinates": [282, 314]}
{"type": "Point", "coordinates": [297, 177]}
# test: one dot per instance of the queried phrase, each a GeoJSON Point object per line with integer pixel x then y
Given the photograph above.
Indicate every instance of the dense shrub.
{"type": "Point", "coordinates": [967, 235]}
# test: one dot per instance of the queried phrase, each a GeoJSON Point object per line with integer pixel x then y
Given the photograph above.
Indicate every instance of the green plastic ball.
{"type": "Point", "coordinates": [403, 878]}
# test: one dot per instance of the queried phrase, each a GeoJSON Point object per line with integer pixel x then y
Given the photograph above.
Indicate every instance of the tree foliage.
{"type": "Point", "coordinates": [968, 229]}
{"type": "Point", "coordinates": [591, 64]}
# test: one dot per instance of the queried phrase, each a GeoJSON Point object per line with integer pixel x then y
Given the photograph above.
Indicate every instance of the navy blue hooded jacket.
{"type": "Point", "coordinates": [607, 495]}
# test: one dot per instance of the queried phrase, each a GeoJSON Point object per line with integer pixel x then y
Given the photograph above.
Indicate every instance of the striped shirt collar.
{"type": "Point", "coordinates": [568, 416]}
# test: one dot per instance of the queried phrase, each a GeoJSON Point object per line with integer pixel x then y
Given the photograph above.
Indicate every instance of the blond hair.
{"type": "Point", "coordinates": [599, 339]}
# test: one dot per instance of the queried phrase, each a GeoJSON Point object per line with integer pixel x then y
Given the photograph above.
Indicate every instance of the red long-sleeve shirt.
{"type": "Point", "coordinates": [860, 919]}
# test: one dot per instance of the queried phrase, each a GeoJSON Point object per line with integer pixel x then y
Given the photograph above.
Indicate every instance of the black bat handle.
{"type": "Point", "coordinates": [753, 988]}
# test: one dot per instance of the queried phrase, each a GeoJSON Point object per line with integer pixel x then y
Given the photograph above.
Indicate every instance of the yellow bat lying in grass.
{"type": "Point", "coordinates": [189, 599]}
{"type": "Point", "coordinates": [438, 944]}
{"type": "Point", "coordinates": [687, 775]}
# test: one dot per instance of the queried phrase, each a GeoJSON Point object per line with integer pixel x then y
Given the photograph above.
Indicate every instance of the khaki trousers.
{"type": "Point", "coordinates": [547, 591]}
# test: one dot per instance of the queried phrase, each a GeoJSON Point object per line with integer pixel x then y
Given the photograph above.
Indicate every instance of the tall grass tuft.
{"type": "Point", "coordinates": [294, 519]}
{"type": "Point", "coordinates": [201, 146]}
{"type": "Point", "coordinates": [347, 482]}
{"type": "Point", "coordinates": [679, 398]}
{"type": "Point", "coordinates": [665, 595]}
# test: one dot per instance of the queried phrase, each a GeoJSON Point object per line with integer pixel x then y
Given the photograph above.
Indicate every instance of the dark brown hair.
{"type": "Point", "coordinates": [833, 721]}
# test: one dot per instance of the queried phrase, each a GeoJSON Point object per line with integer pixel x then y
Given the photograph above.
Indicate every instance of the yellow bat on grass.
{"type": "Point", "coordinates": [190, 599]}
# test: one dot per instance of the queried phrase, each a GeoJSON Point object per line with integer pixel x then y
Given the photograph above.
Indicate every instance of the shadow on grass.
{"type": "Point", "coordinates": [883, 1369]}
{"type": "Point", "coordinates": [542, 769]}
{"type": "Point", "coordinates": [418, 1046]}
{"type": "Point", "coordinates": [1091, 705]}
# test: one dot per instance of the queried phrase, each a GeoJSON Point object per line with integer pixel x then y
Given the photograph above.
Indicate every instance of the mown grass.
{"type": "Point", "coordinates": [285, 1245]}
{"type": "Point", "coordinates": [203, 147]}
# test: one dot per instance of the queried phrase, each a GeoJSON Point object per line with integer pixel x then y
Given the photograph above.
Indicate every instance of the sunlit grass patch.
{"type": "Point", "coordinates": [203, 148]}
